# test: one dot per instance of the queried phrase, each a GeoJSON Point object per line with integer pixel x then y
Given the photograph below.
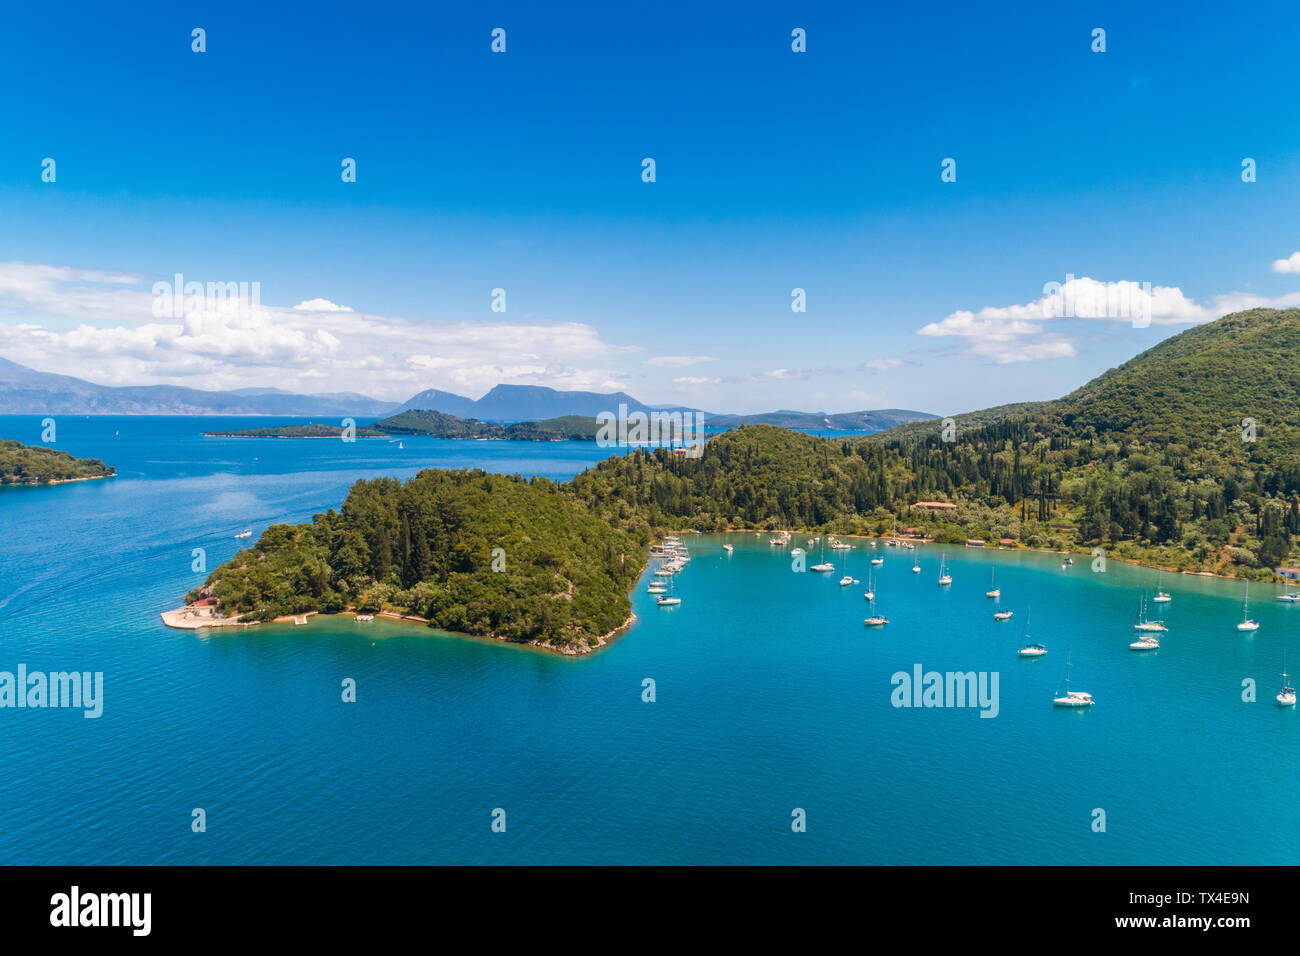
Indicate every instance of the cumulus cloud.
{"type": "Point", "coordinates": [106, 327]}
{"type": "Point", "coordinates": [678, 361]}
{"type": "Point", "coordinates": [1290, 264]}
{"type": "Point", "coordinates": [696, 380]}
{"type": "Point", "coordinates": [321, 305]}
{"type": "Point", "coordinates": [882, 364]}
{"type": "Point", "coordinates": [1000, 333]}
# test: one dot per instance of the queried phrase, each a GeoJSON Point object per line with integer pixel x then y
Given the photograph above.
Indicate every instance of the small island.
{"type": "Point", "coordinates": [435, 425]}
{"type": "Point", "coordinates": [37, 465]}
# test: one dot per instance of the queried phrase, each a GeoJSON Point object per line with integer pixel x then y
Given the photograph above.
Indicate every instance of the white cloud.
{"type": "Point", "coordinates": [1290, 264]}
{"type": "Point", "coordinates": [883, 364]}
{"type": "Point", "coordinates": [678, 361]}
{"type": "Point", "coordinates": [999, 332]}
{"type": "Point", "coordinates": [1005, 353]}
{"type": "Point", "coordinates": [100, 326]}
{"type": "Point", "coordinates": [696, 380]}
{"type": "Point", "coordinates": [321, 305]}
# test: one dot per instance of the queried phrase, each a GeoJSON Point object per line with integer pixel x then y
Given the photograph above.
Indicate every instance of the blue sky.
{"type": "Point", "coordinates": [775, 170]}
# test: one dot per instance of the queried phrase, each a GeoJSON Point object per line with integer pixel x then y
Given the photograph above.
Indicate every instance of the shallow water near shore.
{"type": "Point", "coordinates": [770, 696]}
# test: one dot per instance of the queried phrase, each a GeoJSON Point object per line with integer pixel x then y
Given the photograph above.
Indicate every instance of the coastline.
{"type": "Point", "coordinates": [52, 481]}
{"type": "Point", "coordinates": [1276, 579]}
{"type": "Point", "coordinates": [194, 618]}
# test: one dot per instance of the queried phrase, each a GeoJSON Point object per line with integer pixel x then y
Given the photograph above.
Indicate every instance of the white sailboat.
{"type": "Point", "coordinates": [944, 577]}
{"type": "Point", "coordinates": [1140, 623]}
{"type": "Point", "coordinates": [993, 591]}
{"type": "Point", "coordinates": [848, 578]}
{"type": "Point", "coordinates": [876, 620]}
{"type": "Point", "coordinates": [1286, 698]}
{"type": "Point", "coordinates": [1145, 643]}
{"type": "Point", "coordinates": [824, 567]}
{"type": "Point", "coordinates": [1029, 648]}
{"type": "Point", "coordinates": [1162, 597]}
{"type": "Point", "coordinates": [1001, 615]}
{"type": "Point", "coordinates": [871, 588]}
{"type": "Point", "coordinates": [669, 599]}
{"type": "Point", "coordinates": [1246, 623]}
{"type": "Point", "coordinates": [916, 561]}
{"type": "Point", "coordinates": [1072, 698]}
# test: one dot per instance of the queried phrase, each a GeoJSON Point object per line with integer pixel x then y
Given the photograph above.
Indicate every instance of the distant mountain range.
{"type": "Point", "coordinates": [25, 391]}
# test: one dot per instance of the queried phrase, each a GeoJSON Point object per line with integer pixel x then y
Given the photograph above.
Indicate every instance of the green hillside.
{"type": "Point", "coordinates": [428, 547]}
{"type": "Point", "coordinates": [36, 465]}
{"type": "Point", "coordinates": [1147, 461]}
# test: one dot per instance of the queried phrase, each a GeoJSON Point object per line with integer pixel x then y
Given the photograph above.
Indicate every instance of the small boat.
{"type": "Point", "coordinates": [246, 533]}
{"type": "Point", "coordinates": [1162, 597]}
{"type": "Point", "coordinates": [870, 594]}
{"type": "Point", "coordinates": [1072, 698]}
{"type": "Point", "coordinates": [400, 446]}
{"type": "Point", "coordinates": [944, 577]}
{"type": "Point", "coordinates": [916, 563]}
{"type": "Point", "coordinates": [876, 620]}
{"type": "Point", "coordinates": [1028, 648]}
{"type": "Point", "coordinates": [1290, 597]}
{"type": "Point", "coordinates": [1069, 561]}
{"type": "Point", "coordinates": [668, 600]}
{"type": "Point", "coordinates": [728, 548]}
{"type": "Point", "coordinates": [825, 567]}
{"type": "Point", "coordinates": [1141, 623]}
{"type": "Point", "coordinates": [1001, 615]}
{"type": "Point", "coordinates": [1145, 643]}
{"type": "Point", "coordinates": [365, 617]}
{"type": "Point", "coordinates": [993, 591]}
{"type": "Point", "coordinates": [1287, 696]}
{"type": "Point", "coordinates": [848, 578]}
{"type": "Point", "coordinates": [877, 561]}
{"type": "Point", "coordinates": [1246, 623]}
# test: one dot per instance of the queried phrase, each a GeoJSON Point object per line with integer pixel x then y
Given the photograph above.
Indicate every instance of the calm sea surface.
{"type": "Point", "coordinates": [770, 696]}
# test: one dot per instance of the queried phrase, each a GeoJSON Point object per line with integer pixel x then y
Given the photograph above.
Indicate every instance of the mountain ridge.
{"type": "Point", "coordinates": [27, 391]}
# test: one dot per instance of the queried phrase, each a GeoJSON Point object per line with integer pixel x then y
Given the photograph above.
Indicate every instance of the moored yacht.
{"type": "Point", "coordinates": [1029, 648]}
{"type": "Point", "coordinates": [1247, 624]}
{"type": "Point", "coordinates": [944, 577]}
{"type": "Point", "coordinates": [1072, 698]}
{"type": "Point", "coordinates": [1286, 698]}
{"type": "Point", "coordinates": [669, 599]}
{"type": "Point", "coordinates": [1141, 623]}
{"type": "Point", "coordinates": [876, 620]}
{"type": "Point", "coordinates": [994, 591]}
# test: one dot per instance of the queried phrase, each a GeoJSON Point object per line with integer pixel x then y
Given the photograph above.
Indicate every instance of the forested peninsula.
{"type": "Point", "coordinates": [1187, 457]}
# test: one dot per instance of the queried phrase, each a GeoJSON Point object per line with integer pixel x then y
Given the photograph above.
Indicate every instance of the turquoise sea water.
{"type": "Point", "coordinates": [770, 694]}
